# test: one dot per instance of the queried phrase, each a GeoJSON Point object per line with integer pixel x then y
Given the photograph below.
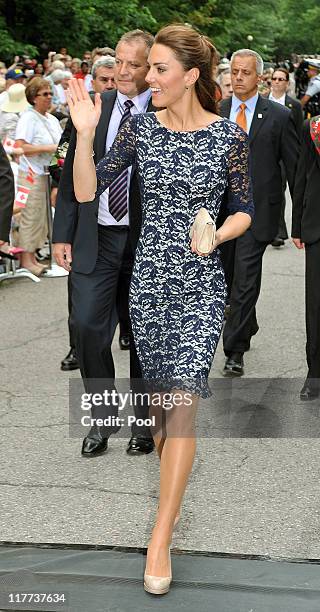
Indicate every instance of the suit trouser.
{"type": "Point", "coordinates": [122, 296]}
{"type": "Point", "coordinates": [282, 229]}
{"type": "Point", "coordinates": [72, 340]}
{"type": "Point", "coordinates": [241, 324]}
{"type": "Point", "coordinates": [313, 308]}
{"type": "Point", "coordinates": [94, 319]}
{"type": "Point", "coordinates": [123, 290]}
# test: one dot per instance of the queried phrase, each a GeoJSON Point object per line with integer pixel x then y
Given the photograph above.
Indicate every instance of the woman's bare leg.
{"type": "Point", "coordinates": [177, 456]}
{"type": "Point", "coordinates": [157, 431]}
{"type": "Point", "coordinates": [159, 436]}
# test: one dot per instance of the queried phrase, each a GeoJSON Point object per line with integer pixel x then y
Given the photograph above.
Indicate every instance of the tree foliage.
{"type": "Point", "coordinates": [278, 27]}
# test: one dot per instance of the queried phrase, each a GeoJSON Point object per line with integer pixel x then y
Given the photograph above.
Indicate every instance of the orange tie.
{"type": "Point", "coordinates": [241, 117]}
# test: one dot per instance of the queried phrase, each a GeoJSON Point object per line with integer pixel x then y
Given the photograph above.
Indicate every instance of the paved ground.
{"type": "Point", "coordinates": [246, 495]}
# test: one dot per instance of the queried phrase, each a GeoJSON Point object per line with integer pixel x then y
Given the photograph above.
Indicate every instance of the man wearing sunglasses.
{"type": "Point", "coordinates": [278, 93]}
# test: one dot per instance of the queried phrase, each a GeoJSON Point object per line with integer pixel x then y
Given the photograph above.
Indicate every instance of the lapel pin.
{"type": "Point", "coordinates": [259, 116]}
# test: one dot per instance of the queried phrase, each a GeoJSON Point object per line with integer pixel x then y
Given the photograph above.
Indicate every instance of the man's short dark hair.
{"type": "Point", "coordinates": [284, 70]}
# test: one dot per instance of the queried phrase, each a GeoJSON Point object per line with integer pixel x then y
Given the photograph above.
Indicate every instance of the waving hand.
{"type": "Point", "coordinates": [84, 113]}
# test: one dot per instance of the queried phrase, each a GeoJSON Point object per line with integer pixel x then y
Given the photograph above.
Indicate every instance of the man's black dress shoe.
{"type": "Point", "coordinates": [70, 362]}
{"type": "Point", "coordinates": [234, 365]}
{"type": "Point", "coordinates": [308, 392]}
{"type": "Point", "coordinates": [138, 445]}
{"type": "Point", "coordinates": [124, 342]}
{"type": "Point", "coordinates": [277, 242]}
{"type": "Point", "coordinates": [94, 445]}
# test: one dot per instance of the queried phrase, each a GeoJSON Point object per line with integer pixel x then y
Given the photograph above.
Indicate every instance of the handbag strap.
{"type": "Point", "coordinates": [39, 116]}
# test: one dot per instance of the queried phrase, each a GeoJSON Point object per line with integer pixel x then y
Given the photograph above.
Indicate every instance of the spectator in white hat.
{"type": "Point", "coordinates": [16, 103]}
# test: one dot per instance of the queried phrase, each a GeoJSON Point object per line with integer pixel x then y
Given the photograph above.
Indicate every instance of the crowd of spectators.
{"type": "Point", "coordinates": [34, 113]}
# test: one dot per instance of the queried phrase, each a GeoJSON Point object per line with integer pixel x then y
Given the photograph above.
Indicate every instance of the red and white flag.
{"type": "Point", "coordinates": [21, 197]}
{"type": "Point", "coordinates": [30, 176]}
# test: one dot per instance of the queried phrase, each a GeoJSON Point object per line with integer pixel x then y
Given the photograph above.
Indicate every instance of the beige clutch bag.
{"type": "Point", "coordinates": [205, 229]}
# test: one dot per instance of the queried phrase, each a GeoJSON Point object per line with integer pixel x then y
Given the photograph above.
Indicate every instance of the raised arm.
{"type": "Point", "coordinates": [90, 181]}
{"type": "Point", "coordinates": [85, 116]}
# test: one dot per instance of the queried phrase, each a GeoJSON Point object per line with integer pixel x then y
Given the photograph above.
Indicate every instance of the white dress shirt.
{"type": "Point", "coordinates": [250, 104]}
{"type": "Point", "coordinates": [281, 100]}
{"type": "Point", "coordinates": [140, 104]}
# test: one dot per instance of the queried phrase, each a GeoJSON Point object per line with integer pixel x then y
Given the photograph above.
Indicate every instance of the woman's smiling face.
{"type": "Point", "coordinates": [166, 77]}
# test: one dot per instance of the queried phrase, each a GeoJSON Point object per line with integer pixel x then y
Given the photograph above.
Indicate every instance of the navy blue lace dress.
{"type": "Point", "coordinates": [177, 298]}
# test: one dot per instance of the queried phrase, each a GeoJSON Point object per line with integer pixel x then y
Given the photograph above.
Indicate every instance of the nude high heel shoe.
{"type": "Point", "coordinates": [158, 585]}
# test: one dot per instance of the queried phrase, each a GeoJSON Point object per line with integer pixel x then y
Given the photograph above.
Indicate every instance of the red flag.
{"type": "Point", "coordinates": [21, 197]}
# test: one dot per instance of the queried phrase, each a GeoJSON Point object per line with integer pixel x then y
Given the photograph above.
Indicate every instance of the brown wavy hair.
{"type": "Point", "coordinates": [35, 85]}
{"type": "Point", "coordinates": [193, 50]}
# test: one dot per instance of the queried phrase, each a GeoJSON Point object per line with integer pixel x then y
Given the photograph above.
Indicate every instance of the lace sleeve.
{"type": "Point", "coordinates": [240, 198]}
{"type": "Point", "coordinates": [120, 156]}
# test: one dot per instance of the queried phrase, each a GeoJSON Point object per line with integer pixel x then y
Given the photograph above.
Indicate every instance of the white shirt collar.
{"type": "Point", "coordinates": [140, 101]}
{"type": "Point", "coordinates": [281, 100]}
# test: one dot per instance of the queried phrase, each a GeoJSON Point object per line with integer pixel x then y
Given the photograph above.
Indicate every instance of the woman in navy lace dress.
{"type": "Point", "coordinates": [186, 157]}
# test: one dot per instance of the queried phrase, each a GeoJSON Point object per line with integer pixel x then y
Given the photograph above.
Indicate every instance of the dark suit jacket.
{"type": "Point", "coordinates": [272, 139]}
{"type": "Point", "coordinates": [297, 114]}
{"type": "Point", "coordinates": [6, 195]}
{"type": "Point", "coordinates": [306, 196]}
{"type": "Point", "coordinates": [77, 223]}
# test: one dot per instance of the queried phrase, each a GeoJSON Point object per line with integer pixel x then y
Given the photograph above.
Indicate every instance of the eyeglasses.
{"type": "Point", "coordinates": [278, 79]}
{"type": "Point", "coordinates": [45, 94]}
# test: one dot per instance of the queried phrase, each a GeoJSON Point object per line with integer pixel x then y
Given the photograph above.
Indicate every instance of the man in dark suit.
{"type": "Point", "coordinates": [102, 80]}
{"type": "Point", "coordinates": [96, 237]}
{"type": "Point", "coordinates": [306, 234]}
{"type": "Point", "coordinates": [279, 87]}
{"type": "Point", "coordinates": [273, 139]}
{"type": "Point", "coordinates": [6, 196]}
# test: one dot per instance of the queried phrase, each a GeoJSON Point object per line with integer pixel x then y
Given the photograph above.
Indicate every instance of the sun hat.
{"type": "Point", "coordinates": [17, 100]}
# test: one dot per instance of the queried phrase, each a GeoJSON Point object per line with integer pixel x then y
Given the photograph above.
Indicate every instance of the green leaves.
{"type": "Point", "coordinates": [301, 27]}
{"type": "Point", "coordinates": [77, 25]}
{"type": "Point", "coordinates": [278, 27]}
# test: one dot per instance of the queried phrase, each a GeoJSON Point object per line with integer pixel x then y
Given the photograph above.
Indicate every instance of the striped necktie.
{"type": "Point", "coordinates": [118, 197]}
{"type": "Point", "coordinates": [241, 118]}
